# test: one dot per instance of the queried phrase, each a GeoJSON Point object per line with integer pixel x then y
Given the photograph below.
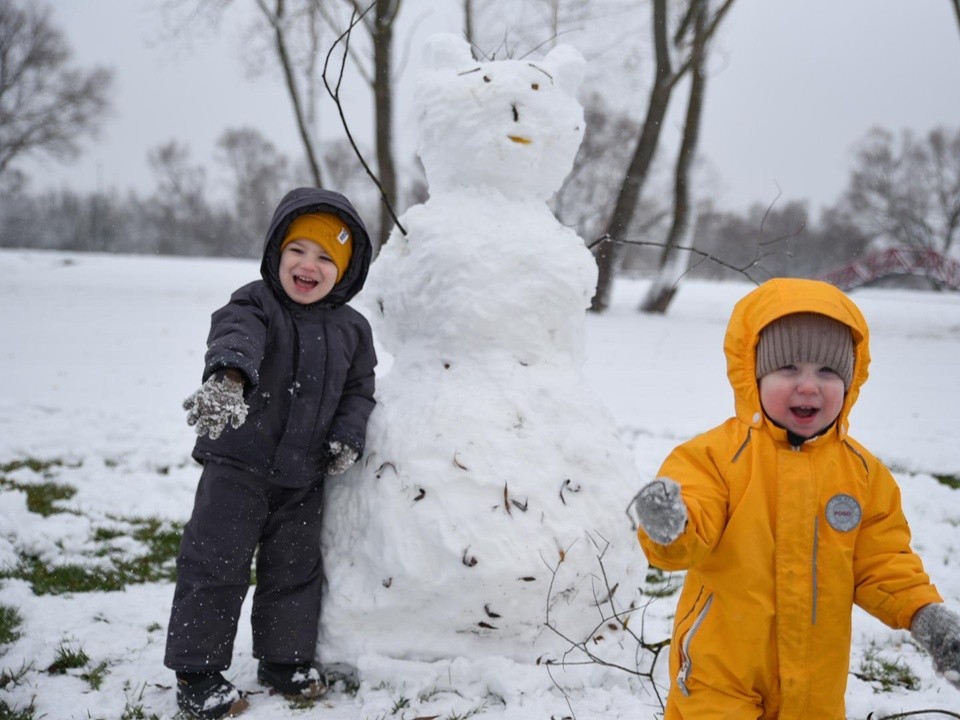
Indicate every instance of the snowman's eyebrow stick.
{"type": "Point", "coordinates": [467, 72]}
{"type": "Point", "coordinates": [537, 67]}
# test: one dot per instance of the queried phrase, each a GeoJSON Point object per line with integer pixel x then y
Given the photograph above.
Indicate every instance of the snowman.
{"type": "Point", "coordinates": [487, 515]}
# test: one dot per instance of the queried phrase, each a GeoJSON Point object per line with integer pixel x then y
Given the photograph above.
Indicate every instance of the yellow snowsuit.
{"type": "Point", "coordinates": [780, 543]}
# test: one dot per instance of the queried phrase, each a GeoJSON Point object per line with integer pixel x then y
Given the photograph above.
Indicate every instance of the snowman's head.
{"type": "Point", "coordinates": [514, 125]}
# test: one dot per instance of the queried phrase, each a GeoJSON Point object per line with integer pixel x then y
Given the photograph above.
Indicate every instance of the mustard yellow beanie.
{"type": "Point", "coordinates": [806, 337]}
{"type": "Point", "coordinates": [326, 230]}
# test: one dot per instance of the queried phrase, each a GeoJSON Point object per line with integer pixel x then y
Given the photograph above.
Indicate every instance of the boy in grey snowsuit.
{"type": "Point", "coordinates": [288, 387]}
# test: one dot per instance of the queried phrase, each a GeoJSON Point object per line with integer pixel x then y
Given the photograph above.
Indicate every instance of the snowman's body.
{"type": "Point", "coordinates": [493, 481]}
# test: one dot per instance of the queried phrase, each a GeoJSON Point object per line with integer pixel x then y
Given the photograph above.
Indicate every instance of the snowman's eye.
{"type": "Point", "coordinates": [487, 78]}
{"type": "Point", "coordinates": [535, 86]}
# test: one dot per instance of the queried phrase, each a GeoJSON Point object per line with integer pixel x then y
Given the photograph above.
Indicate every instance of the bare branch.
{"type": "Point", "coordinates": [610, 617]}
{"type": "Point", "coordinates": [742, 269]}
{"type": "Point", "coordinates": [334, 93]}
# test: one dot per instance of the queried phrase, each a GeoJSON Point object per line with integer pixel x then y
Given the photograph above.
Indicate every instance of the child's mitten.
{"type": "Point", "coordinates": [937, 629]}
{"type": "Point", "coordinates": [661, 511]}
{"type": "Point", "coordinates": [342, 456]}
{"type": "Point", "coordinates": [218, 401]}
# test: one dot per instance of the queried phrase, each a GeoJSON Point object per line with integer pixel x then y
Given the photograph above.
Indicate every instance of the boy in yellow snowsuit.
{"type": "Point", "coordinates": [783, 521]}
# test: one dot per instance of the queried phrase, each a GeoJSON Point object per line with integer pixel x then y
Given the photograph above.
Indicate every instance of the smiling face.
{"type": "Point", "coordinates": [307, 273]}
{"type": "Point", "coordinates": [805, 398]}
{"type": "Point", "coordinates": [512, 125]}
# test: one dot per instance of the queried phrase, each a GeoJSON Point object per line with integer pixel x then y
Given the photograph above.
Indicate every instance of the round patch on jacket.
{"type": "Point", "coordinates": [843, 512]}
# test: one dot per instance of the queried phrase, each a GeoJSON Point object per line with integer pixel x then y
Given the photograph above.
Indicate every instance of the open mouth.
{"type": "Point", "coordinates": [804, 412]}
{"type": "Point", "coordinates": [520, 140]}
{"type": "Point", "coordinates": [304, 284]}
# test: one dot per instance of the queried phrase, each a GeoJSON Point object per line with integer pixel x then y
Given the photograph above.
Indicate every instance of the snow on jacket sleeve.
{"type": "Point", "coordinates": [237, 338]}
{"type": "Point", "coordinates": [349, 424]}
{"type": "Point", "coordinates": [705, 494]}
{"type": "Point", "coordinates": [890, 582]}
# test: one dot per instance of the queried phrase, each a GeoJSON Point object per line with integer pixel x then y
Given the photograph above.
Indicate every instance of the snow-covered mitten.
{"type": "Point", "coordinates": [661, 511]}
{"type": "Point", "coordinates": [342, 456]}
{"type": "Point", "coordinates": [218, 401]}
{"type": "Point", "coordinates": [937, 629]}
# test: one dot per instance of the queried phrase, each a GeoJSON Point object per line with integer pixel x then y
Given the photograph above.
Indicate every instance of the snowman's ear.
{"type": "Point", "coordinates": [567, 66]}
{"type": "Point", "coordinates": [446, 50]}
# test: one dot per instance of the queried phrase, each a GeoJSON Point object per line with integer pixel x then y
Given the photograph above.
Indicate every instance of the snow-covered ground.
{"type": "Point", "coordinates": [96, 353]}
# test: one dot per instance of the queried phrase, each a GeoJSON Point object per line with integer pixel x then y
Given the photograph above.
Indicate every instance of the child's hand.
{"type": "Point", "coordinates": [341, 457]}
{"type": "Point", "coordinates": [937, 629]}
{"type": "Point", "coordinates": [219, 401]}
{"type": "Point", "coordinates": [661, 511]}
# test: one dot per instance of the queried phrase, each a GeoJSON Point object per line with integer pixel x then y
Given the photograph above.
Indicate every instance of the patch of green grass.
{"type": "Point", "coordinates": [468, 714]}
{"type": "Point", "coordinates": [162, 538]}
{"type": "Point", "coordinates": [115, 567]}
{"type": "Point", "coordinates": [68, 658]}
{"type": "Point", "coordinates": [889, 674]}
{"type": "Point", "coordinates": [399, 704]}
{"type": "Point", "coordinates": [10, 622]}
{"type": "Point", "coordinates": [9, 713]}
{"type": "Point", "coordinates": [661, 584]}
{"type": "Point", "coordinates": [162, 541]}
{"type": "Point", "coordinates": [38, 466]}
{"type": "Point", "coordinates": [133, 708]}
{"type": "Point", "coordinates": [12, 677]}
{"type": "Point", "coordinates": [136, 712]}
{"type": "Point", "coordinates": [63, 579]}
{"type": "Point", "coordinates": [95, 676]}
{"type": "Point", "coordinates": [951, 481]}
{"type": "Point", "coordinates": [41, 497]}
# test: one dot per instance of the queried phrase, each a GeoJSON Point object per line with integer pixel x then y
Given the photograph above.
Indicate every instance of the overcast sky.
{"type": "Point", "coordinates": [794, 84]}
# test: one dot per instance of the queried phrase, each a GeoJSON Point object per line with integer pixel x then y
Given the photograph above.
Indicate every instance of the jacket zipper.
{"type": "Point", "coordinates": [686, 664]}
{"type": "Point", "coordinates": [816, 548]}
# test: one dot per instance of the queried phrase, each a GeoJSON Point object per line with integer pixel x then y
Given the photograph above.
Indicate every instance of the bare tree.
{"type": "Point", "coordinates": [299, 29]}
{"type": "Point", "coordinates": [674, 260]}
{"type": "Point", "coordinates": [46, 107]}
{"type": "Point", "coordinates": [907, 193]}
{"type": "Point", "coordinates": [259, 174]}
{"type": "Point", "coordinates": [669, 71]}
{"type": "Point", "coordinates": [307, 17]}
{"type": "Point", "coordinates": [181, 217]}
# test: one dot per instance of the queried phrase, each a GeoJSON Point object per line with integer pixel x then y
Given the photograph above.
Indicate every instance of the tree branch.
{"type": "Point", "coordinates": [334, 93]}
{"type": "Point", "coordinates": [609, 617]}
{"type": "Point", "coordinates": [275, 20]}
{"type": "Point", "coordinates": [704, 256]}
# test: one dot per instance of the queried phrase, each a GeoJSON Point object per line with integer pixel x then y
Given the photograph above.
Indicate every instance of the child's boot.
{"type": "Point", "coordinates": [294, 681]}
{"type": "Point", "coordinates": [208, 696]}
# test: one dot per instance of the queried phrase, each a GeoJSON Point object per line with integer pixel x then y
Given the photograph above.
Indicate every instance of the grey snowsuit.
{"type": "Point", "coordinates": [309, 374]}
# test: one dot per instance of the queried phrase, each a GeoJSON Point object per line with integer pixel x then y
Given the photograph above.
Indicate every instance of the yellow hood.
{"type": "Point", "coordinates": [771, 301]}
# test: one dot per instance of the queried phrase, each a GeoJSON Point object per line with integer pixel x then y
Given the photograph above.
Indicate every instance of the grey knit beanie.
{"type": "Point", "coordinates": [806, 337]}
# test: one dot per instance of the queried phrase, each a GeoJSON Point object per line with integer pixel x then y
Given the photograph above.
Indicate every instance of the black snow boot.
{"type": "Point", "coordinates": [208, 696]}
{"type": "Point", "coordinates": [292, 681]}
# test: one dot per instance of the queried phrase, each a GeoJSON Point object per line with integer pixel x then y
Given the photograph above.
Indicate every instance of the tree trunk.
{"type": "Point", "coordinates": [661, 292]}
{"type": "Point", "coordinates": [629, 196]}
{"type": "Point", "coordinates": [665, 80]}
{"type": "Point", "coordinates": [468, 22]}
{"type": "Point", "coordinates": [382, 34]}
